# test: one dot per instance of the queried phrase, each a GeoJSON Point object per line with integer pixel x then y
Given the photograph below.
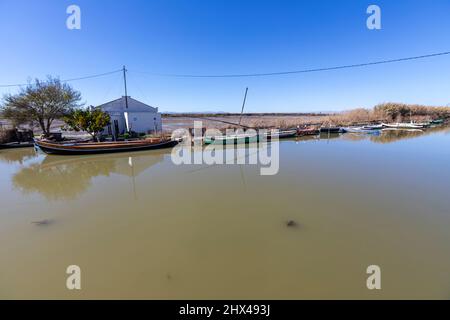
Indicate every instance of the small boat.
{"type": "Point", "coordinates": [400, 125]}
{"type": "Point", "coordinates": [248, 138]}
{"type": "Point", "coordinates": [361, 130]}
{"type": "Point", "coordinates": [284, 134]}
{"type": "Point", "coordinates": [331, 130]}
{"type": "Point", "coordinates": [104, 147]}
{"type": "Point", "coordinates": [437, 121]}
{"type": "Point", "coordinates": [307, 132]}
{"type": "Point", "coordinates": [373, 127]}
{"type": "Point", "coordinates": [13, 145]}
{"type": "Point", "coordinates": [231, 139]}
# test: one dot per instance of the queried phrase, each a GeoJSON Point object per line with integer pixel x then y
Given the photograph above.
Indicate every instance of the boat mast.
{"type": "Point", "coordinates": [125, 85]}
{"type": "Point", "coordinates": [243, 105]}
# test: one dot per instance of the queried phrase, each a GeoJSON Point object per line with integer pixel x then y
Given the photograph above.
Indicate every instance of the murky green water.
{"type": "Point", "coordinates": [141, 227]}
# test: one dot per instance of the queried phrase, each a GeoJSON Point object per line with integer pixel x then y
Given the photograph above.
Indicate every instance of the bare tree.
{"type": "Point", "coordinates": [41, 102]}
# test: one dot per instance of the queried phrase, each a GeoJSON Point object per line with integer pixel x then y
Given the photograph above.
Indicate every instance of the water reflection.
{"type": "Point", "coordinates": [67, 177]}
{"type": "Point", "coordinates": [17, 155]}
{"type": "Point", "coordinates": [394, 135]}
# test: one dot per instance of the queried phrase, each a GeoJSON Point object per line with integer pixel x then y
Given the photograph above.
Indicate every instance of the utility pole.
{"type": "Point", "coordinates": [125, 114]}
{"type": "Point", "coordinates": [125, 83]}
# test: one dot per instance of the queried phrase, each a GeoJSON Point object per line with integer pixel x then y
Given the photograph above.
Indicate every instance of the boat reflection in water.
{"type": "Point", "coordinates": [67, 177]}
{"type": "Point", "coordinates": [390, 135]}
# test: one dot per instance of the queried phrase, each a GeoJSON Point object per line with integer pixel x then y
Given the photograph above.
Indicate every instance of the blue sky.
{"type": "Point", "coordinates": [231, 36]}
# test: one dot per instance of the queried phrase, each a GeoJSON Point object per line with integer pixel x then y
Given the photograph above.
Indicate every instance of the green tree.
{"type": "Point", "coordinates": [92, 120]}
{"type": "Point", "coordinates": [40, 103]}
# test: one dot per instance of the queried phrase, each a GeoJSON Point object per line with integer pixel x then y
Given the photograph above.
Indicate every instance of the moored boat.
{"type": "Point", "coordinates": [330, 129]}
{"type": "Point", "coordinates": [104, 147]}
{"type": "Point", "coordinates": [307, 132]}
{"type": "Point", "coordinates": [231, 139]}
{"type": "Point", "coordinates": [249, 138]}
{"type": "Point", "coordinates": [437, 121]}
{"type": "Point", "coordinates": [13, 145]}
{"type": "Point", "coordinates": [361, 130]}
{"type": "Point", "coordinates": [400, 125]}
{"type": "Point", "coordinates": [372, 127]}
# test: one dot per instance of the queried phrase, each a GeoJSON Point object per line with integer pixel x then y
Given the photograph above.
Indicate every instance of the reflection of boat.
{"type": "Point", "coordinates": [104, 147]}
{"type": "Point", "coordinates": [13, 145]}
{"type": "Point", "coordinates": [402, 129]}
{"type": "Point", "coordinates": [400, 125]}
{"type": "Point", "coordinates": [49, 177]}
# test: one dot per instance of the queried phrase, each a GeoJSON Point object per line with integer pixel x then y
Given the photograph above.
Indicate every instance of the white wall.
{"type": "Point", "coordinates": [144, 121]}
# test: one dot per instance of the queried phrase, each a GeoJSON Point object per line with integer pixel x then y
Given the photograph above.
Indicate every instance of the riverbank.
{"type": "Point", "coordinates": [386, 112]}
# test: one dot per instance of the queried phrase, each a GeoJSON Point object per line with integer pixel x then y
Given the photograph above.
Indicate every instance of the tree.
{"type": "Point", "coordinates": [40, 103]}
{"type": "Point", "coordinates": [92, 120]}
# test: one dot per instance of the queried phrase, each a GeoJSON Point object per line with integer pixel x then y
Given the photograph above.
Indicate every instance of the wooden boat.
{"type": "Point", "coordinates": [231, 139]}
{"type": "Point", "coordinates": [400, 125]}
{"type": "Point", "coordinates": [284, 134]}
{"type": "Point", "coordinates": [104, 147]}
{"type": "Point", "coordinates": [437, 121]}
{"type": "Point", "coordinates": [248, 138]}
{"type": "Point", "coordinates": [13, 145]}
{"type": "Point", "coordinates": [330, 130]}
{"type": "Point", "coordinates": [373, 127]}
{"type": "Point", "coordinates": [360, 130]}
{"type": "Point", "coordinates": [307, 132]}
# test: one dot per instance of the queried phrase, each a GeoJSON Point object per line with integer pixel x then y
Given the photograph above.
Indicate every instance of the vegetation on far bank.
{"type": "Point", "coordinates": [385, 112]}
{"type": "Point", "coordinates": [42, 104]}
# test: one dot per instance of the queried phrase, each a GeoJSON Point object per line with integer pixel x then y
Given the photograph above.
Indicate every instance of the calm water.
{"type": "Point", "coordinates": [141, 227]}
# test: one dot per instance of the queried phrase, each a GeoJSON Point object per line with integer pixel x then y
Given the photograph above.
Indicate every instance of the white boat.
{"type": "Point", "coordinates": [373, 127]}
{"type": "Point", "coordinates": [360, 130]}
{"type": "Point", "coordinates": [400, 125]}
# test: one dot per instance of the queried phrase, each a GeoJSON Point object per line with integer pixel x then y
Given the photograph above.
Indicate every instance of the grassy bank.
{"type": "Point", "coordinates": [386, 112]}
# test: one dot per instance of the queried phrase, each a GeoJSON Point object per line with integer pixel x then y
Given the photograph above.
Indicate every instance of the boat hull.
{"type": "Point", "coordinates": [330, 130]}
{"type": "Point", "coordinates": [249, 139]}
{"type": "Point", "coordinates": [361, 130]}
{"type": "Point", "coordinates": [80, 149]}
{"type": "Point", "coordinates": [16, 145]}
{"type": "Point", "coordinates": [402, 126]}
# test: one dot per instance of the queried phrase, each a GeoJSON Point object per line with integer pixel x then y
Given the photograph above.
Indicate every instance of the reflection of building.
{"type": "Point", "coordinates": [138, 117]}
{"type": "Point", "coordinates": [50, 176]}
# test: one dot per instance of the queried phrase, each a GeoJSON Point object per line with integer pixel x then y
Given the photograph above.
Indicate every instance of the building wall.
{"type": "Point", "coordinates": [140, 122]}
{"type": "Point", "coordinates": [121, 123]}
{"type": "Point", "coordinates": [144, 122]}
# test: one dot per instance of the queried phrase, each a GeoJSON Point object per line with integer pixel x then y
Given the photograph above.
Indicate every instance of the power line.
{"type": "Point", "coordinates": [67, 80]}
{"type": "Point", "coordinates": [251, 74]}
{"type": "Point", "coordinates": [296, 71]}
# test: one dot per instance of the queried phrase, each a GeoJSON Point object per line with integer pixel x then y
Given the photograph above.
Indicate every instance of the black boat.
{"type": "Point", "coordinates": [104, 147]}
{"type": "Point", "coordinates": [330, 130]}
{"type": "Point", "coordinates": [14, 145]}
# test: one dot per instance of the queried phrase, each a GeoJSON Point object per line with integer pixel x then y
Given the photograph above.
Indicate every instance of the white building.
{"type": "Point", "coordinates": [138, 117]}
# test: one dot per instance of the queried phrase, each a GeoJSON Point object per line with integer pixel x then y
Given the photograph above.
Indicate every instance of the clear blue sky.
{"type": "Point", "coordinates": [231, 36]}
